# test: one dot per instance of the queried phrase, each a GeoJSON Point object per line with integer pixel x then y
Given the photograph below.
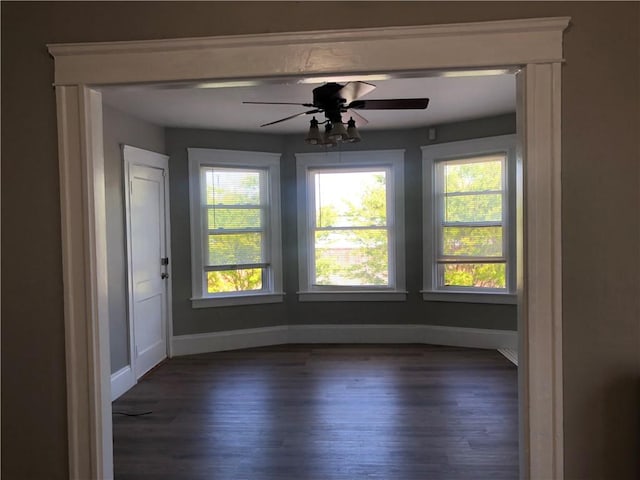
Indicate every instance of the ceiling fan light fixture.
{"type": "Point", "coordinates": [314, 137]}
{"type": "Point", "coordinates": [333, 99]}
{"type": "Point", "coordinates": [338, 133]}
{"type": "Point", "coordinates": [353, 136]}
{"type": "Point", "coordinates": [327, 139]}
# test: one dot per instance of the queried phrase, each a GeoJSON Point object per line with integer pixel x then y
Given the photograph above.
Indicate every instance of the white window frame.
{"type": "Point", "coordinates": [433, 158]}
{"type": "Point", "coordinates": [393, 162]}
{"type": "Point", "coordinates": [272, 285]}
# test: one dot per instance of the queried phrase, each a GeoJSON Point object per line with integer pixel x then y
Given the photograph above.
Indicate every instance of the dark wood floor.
{"type": "Point", "coordinates": [322, 413]}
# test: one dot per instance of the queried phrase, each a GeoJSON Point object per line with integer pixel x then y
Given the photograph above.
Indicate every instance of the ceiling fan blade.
{"type": "Point", "coordinates": [390, 104]}
{"type": "Point", "coordinates": [354, 90]}
{"type": "Point", "coordinates": [360, 120]}
{"type": "Point", "coordinates": [281, 103]}
{"type": "Point", "coordinates": [292, 116]}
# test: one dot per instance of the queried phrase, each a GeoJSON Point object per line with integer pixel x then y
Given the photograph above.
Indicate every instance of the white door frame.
{"type": "Point", "coordinates": [533, 44]}
{"type": "Point", "coordinates": [154, 160]}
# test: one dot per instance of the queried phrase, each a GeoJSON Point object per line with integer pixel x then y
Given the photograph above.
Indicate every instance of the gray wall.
{"type": "Point", "coordinates": [600, 186]}
{"type": "Point", "coordinates": [187, 320]}
{"type": "Point", "coordinates": [120, 128]}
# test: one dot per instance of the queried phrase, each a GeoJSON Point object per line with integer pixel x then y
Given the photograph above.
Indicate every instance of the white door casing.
{"type": "Point", "coordinates": [533, 44]}
{"type": "Point", "coordinates": [147, 240]}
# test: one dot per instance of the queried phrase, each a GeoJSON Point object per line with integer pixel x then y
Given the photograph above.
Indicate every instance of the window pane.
{"type": "Point", "coordinates": [235, 249]}
{"type": "Point", "coordinates": [234, 280]}
{"type": "Point", "coordinates": [234, 218]}
{"type": "Point", "coordinates": [472, 241]}
{"type": "Point", "coordinates": [232, 187]}
{"type": "Point", "coordinates": [480, 275]}
{"type": "Point", "coordinates": [476, 175]}
{"type": "Point", "coordinates": [473, 208]}
{"type": "Point", "coordinates": [352, 257]}
{"type": "Point", "coordinates": [350, 199]}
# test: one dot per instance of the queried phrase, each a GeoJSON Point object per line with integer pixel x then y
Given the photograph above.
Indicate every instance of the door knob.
{"type": "Point", "coordinates": [164, 275]}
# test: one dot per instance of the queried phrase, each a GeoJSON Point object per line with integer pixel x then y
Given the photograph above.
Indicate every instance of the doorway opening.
{"type": "Point", "coordinates": [427, 48]}
{"type": "Point", "coordinates": [457, 104]}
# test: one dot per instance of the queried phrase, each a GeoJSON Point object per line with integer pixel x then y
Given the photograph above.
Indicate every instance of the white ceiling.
{"type": "Point", "coordinates": [221, 108]}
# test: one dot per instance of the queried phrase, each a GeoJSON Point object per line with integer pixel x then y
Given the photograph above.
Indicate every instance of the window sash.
{"type": "Point", "coordinates": [264, 253]}
{"type": "Point", "coordinates": [392, 162]}
{"type": "Point", "coordinates": [263, 231]}
{"type": "Point", "coordinates": [264, 278]}
{"type": "Point", "coordinates": [458, 259]}
{"type": "Point", "coordinates": [440, 273]}
{"type": "Point", "coordinates": [441, 260]}
{"type": "Point", "coordinates": [313, 215]}
{"type": "Point", "coordinates": [263, 206]}
{"type": "Point", "coordinates": [235, 266]}
{"type": "Point", "coordinates": [359, 227]}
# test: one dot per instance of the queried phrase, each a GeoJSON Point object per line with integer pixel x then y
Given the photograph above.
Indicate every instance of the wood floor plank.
{"type": "Point", "coordinates": [322, 412]}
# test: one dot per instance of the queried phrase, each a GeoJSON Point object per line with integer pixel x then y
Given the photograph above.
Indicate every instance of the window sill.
{"type": "Point", "coordinates": [353, 296]}
{"type": "Point", "coordinates": [468, 297]}
{"type": "Point", "coordinates": [234, 300]}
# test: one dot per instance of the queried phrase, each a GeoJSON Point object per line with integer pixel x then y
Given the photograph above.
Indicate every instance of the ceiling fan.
{"type": "Point", "coordinates": [334, 99]}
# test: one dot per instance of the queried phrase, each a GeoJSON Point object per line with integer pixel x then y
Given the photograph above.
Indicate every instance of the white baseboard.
{"type": "Point", "coordinates": [229, 340]}
{"type": "Point", "coordinates": [425, 334]}
{"type": "Point", "coordinates": [121, 381]}
{"type": "Point", "coordinates": [511, 354]}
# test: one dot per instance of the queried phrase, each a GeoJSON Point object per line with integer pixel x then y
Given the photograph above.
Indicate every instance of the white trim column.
{"type": "Point", "coordinates": [540, 285]}
{"type": "Point", "coordinates": [82, 198]}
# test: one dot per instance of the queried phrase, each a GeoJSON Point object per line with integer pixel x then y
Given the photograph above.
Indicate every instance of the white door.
{"type": "Point", "coordinates": [148, 259]}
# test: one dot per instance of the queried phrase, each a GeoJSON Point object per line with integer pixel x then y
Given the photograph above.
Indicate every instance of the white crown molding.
{"type": "Point", "coordinates": [512, 42]}
{"type": "Point", "coordinates": [338, 35]}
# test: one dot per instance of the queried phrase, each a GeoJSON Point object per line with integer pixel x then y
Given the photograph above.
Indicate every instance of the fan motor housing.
{"type": "Point", "coordinates": [326, 97]}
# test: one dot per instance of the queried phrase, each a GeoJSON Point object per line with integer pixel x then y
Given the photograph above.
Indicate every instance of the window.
{"type": "Point", "coordinates": [235, 227]}
{"type": "Point", "coordinates": [469, 235]}
{"type": "Point", "coordinates": [351, 225]}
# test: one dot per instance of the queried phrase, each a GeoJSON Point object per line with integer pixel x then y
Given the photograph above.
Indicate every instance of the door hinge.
{"type": "Point", "coordinates": [164, 261]}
